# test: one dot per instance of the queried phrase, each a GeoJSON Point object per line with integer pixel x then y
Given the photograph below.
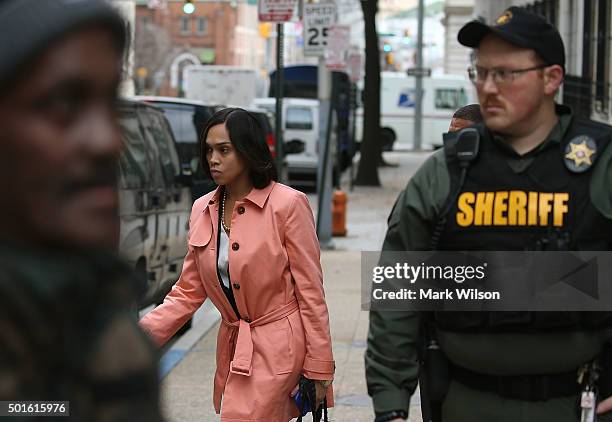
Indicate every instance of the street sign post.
{"type": "Point", "coordinates": [419, 72]}
{"type": "Point", "coordinates": [318, 18]}
{"type": "Point", "coordinates": [276, 10]}
{"type": "Point", "coordinates": [336, 53]}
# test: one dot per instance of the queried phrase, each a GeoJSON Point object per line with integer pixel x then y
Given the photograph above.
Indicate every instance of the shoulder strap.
{"type": "Point", "coordinates": [461, 150]}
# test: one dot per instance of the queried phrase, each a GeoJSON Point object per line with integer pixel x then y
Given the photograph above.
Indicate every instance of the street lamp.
{"type": "Point", "coordinates": [188, 7]}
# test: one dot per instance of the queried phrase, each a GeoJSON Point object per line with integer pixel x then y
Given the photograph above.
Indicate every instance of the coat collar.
{"type": "Point", "coordinates": [260, 196]}
{"type": "Point", "coordinates": [256, 196]}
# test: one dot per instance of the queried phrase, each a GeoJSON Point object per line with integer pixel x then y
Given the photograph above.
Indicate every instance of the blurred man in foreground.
{"type": "Point", "coordinates": [66, 333]}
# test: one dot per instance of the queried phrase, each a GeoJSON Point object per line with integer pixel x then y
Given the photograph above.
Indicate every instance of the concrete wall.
{"type": "Point", "coordinates": [456, 57]}
{"type": "Point", "coordinates": [127, 8]}
{"type": "Point", "coordinates": [490, 10]}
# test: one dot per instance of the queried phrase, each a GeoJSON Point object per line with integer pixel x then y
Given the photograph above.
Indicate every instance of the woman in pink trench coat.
{"type": "Point", "coordinates": [275, 323]}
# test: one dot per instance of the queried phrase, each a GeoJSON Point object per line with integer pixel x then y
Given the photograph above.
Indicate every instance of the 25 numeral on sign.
{"type": "Point", "coordinates": [314, 34]}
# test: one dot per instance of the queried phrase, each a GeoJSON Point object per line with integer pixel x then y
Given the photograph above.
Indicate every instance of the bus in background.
{"type": "Point", "coordinates": [442, 95]}
{"type": "Point", "coordinates": [301, 81]}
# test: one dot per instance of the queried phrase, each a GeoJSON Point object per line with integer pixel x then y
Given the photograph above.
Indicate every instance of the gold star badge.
{"type": "Point", "coordinates": [504, 18]}
{"type": "Point", "coordinates": [580, 154]}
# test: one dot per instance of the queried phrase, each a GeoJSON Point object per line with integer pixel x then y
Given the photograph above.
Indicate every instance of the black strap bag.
{"type": "Point", "coordinates": [307, 397]}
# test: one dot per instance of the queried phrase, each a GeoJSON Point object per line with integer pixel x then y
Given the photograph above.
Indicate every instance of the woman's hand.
{"type": "Point", "coordinates": [605, 406]}
{"type": "Point", "coordinates": [321, 388]}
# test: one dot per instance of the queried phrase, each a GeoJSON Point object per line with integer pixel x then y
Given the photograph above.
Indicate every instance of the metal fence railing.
{"type": "Point", "coordinates": [586, 96]}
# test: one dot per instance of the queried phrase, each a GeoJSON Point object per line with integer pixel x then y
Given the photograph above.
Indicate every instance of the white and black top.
{"type": "Point", "coordinates": [223, 259]}
{"type": "Point", "coordinates": [223, 263]}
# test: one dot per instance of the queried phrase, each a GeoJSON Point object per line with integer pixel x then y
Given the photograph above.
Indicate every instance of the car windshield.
{"type": "Point", "coordinates": [182, 122]}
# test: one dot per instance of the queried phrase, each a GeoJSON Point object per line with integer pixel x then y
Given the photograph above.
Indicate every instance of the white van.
{"type": "Point", "coordinates": [442, 96]}
{"type": "Point", "coordinates": [300, 133]}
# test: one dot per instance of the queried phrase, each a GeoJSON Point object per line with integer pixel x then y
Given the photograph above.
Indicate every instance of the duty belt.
{"type": "Point", "coordinates": [520, 387]}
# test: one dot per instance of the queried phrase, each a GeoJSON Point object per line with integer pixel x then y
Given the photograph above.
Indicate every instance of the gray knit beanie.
{"type": "Point", "coordinates": [27, 27]}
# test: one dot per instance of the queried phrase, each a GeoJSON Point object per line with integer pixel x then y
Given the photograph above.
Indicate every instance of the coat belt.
{"type": "Point", "coordinates": [241, 364]}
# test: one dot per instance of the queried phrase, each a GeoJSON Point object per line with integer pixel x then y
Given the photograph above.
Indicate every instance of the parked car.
{"type": "Point", "coordinates": [187, 119]}
{"type": "Point", "coordinates": [155, 199]}
{"type": "Point", "coordinates": [300, 135]}
{"type": "Point", "coordinates": [266, 120]}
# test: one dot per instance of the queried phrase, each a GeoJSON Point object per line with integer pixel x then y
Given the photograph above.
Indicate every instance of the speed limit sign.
{"type": "Point", "coordinates": [318, 18]}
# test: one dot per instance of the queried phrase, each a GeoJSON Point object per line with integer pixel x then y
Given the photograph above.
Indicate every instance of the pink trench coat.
{"type": "Point", "coordinates": [278, 286]}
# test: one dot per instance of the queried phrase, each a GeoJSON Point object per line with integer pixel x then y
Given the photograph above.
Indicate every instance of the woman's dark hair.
{"type": "Point", "coordinates": [247, 136]}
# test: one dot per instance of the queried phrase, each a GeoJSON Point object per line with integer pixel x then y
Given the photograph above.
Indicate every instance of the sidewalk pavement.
{"type": "Point", "coordinates": [187, 389]}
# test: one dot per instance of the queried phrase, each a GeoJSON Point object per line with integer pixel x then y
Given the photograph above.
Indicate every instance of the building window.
{"type": "Point", "coordinates": [202, 26]}
{"type": "Point", "coordinates": [185, 25]}
{"type": "Point", "coordinates": [601, 48]}
{"type": "Point", "coordinates": [590, 93]}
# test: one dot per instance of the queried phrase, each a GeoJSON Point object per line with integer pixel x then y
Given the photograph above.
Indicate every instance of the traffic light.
{"type": "Point", "coordinates": [188, 7]}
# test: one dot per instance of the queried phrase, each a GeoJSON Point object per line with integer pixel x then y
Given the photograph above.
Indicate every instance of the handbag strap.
{"type": "Point", "coordinates": [308, 397]}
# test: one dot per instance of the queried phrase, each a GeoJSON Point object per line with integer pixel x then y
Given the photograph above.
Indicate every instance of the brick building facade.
{"type": "Point", "coordinates": [167, 39]}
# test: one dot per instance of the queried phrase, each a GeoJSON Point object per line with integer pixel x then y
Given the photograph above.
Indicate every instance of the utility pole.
{"type": "Point", "coordinates": [278, 90]}
{"type": "Point", "coordinates": [418, 110]}
{"type": "Point", "coordinates": [324, 171]}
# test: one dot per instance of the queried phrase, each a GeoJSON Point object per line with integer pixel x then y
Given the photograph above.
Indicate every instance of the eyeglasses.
{"type": "Point", "coordinates": [478, 75]}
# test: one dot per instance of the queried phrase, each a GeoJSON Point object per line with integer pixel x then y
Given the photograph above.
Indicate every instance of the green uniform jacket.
{"type": "Point", "coordinates": [391, 358]}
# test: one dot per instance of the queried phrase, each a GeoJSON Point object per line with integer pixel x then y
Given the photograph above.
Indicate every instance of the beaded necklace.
{"type": "Point", "coordinates": [227, 229]}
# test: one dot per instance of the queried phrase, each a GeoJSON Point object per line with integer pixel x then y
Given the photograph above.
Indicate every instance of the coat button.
{"type": "Point", "coordinates": [240, 210]}
{"type": "Point", "coordinates": [236, 286]}
{"type": "Point", "coordinates": [247, 320]}
{"type": "Point", "coordinates": [235, 246]}
{"type": "Point", "coordinates": [211, 202]}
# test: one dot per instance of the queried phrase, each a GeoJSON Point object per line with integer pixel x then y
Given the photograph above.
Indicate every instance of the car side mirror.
{"type": "Point", "coordinates": [193, 165]}
{"type": "Point", "coordinates": [185, 177]}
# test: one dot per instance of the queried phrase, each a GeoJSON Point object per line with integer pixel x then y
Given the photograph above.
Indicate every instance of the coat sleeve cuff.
{"type": "Point", "coordinates": [317, 369]}
{"type": "Point", "coordinates": [388, 400]}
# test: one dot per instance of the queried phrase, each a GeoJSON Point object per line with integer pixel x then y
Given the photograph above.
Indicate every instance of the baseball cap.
{"type": "Point", "coordinates": [522, 28]}
{"type": "Point", "coordinates": [29, 26]}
